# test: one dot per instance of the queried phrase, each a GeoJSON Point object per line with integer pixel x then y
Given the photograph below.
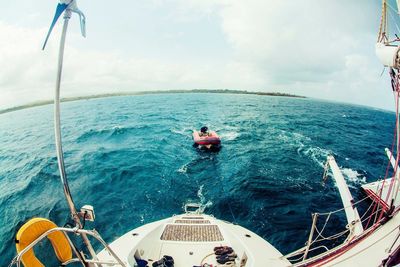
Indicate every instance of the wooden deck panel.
{"type": "Point", "coordinates": [192, 233]}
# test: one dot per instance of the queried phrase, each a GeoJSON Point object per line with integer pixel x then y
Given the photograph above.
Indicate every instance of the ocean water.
{"type": "Point", "coordinates": [132, 158]}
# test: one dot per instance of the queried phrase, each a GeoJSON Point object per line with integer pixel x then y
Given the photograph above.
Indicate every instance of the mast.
{"type": "Point", "coordinates": [386, 49]}
{"type": "Point", "coordinates": [388, 52]}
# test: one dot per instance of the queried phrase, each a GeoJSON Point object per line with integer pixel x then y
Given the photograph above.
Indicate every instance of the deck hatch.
{"type": "Point", "coordinates": [193, 218]}
{"type": "Point", "coordinates": [191, 233]}
{"type": "Point", "coordinates": [193, 221]}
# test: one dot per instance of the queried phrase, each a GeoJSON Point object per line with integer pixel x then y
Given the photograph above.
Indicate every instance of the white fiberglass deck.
{"type": "Point", "coordinates": [379, 190]}
{"type": "Point", "coordinates": [190, 239]}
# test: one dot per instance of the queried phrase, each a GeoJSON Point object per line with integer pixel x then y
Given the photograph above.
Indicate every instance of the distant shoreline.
{"type": "Point", "coordinates": [202, 91]}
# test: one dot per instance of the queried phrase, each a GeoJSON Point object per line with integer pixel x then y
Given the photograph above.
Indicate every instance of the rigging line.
{"type": "Point", "coordinates": [391, 7]}
{"type": "Point", "coordinates": [393, 19]}
{"type": "Point", "coordinates": [336, 211]}
{"type": "Point", "coordinates": [376, 219]}
{"type": "Point", "coordinates": [229, 203]}
{"type": "Point", "coordinates": [208, 255]}
{"type": "Point", "coordinates": [364, 249]}
{"type": "Point", "coordinates": [394, 83]}
{"type": "Point", "coordinates": [382, 24]}
{"type": "Point", "coordinates": [397, 238]}
{"type": "Point", "coordinates": [383, 70]}
{"type": "Point", "coordinates": [13, 262]}
{"type": "Point", "coordinates": [366, 212]}
{"type": "Point", "coordinates": [372, 214]}
{"type": "Point", "coordinates": [323, 228]}
{"type": "Point", "coordinates": [364, 219]}
{"type": "Point", "coordinates": [388, 164]}
{"type": "Point", "coordinates": [396, 190]}
{"type": "Point", "coordinates": [376, 203]}
{"type": "Point", "coordinates": [332, 237]}
{"type": "Point", "coordinates": [398, 136]}
{"type": "Point", "coordinates": [381, 169]}
{"type": "Point", "coordinates": [376, 190]}
{"type": "Point", "coordinates": [391, 186]}
{"type": "Point", "coordinates": [375, 212]}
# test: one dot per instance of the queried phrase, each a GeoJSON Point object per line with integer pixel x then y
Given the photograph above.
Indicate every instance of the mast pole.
{"type": "Point", "coordinates": [58, 140]}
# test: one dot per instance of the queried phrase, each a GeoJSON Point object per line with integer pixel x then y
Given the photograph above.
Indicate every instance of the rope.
{"type": "Point", "coordinates": [397, 149]}
{"type": "Point", "coordinates": [392, 17]}
{"type": "Point", "coordinates": [320, 237]}
{"type": "Point", "coordinates": [323, 228]}
{"type": "Point", "coordinates": [394, 242]}
{"type": "Point", "coordinates": [362, 218]}
{"type": "Point", "coordinates": [332, 237]}
{"type": "Point", "coordinates": [376, 212]}
{"type": "Point", "coordinates": [335, 236]}
{"type": "Point", "coordinates": [309, 242]}
{"type": "Point", "coordinates": [342, 209]}
{"type": "Point", "coordinates": [229, 203]}
{"type": "Point", "coordinates": [383, 23]}
{"type": "Point", "coordinates": [395, 81]}
{"type": "Point", "coordinates": [201, 264]}
{"type": "Point", "coordinates": [391, 7]}
{"type": "Point", "coordinates": [395, 88]}
{"type": "Point", "coordinates": [376, 204]}
{"type": "Point", "coordinates": [14, 261]}
{"type": "Point", "coordinates": [358, 252]}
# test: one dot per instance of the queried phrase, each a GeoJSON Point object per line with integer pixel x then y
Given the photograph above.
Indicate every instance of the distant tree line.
{"type": "Point", "coordinates": [177, 91]}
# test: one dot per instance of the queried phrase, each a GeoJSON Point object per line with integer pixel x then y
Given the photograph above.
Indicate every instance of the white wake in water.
{"type": "Point", "coordinates": [185, 131]}
{"type": "Point", "coordinates": [183, 168]}
{"type": "Point", "coordinates": [353, 176]}
{"type": "Point", "coordinates": [203, 201]}
{"type": "Point", "coordinates": [317, 154]}
{"type": "Point", "coordinates": [304, 147]}
{"type": "Point", "coordinates": [229, 136]}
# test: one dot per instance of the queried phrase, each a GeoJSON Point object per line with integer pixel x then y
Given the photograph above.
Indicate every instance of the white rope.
{"type": "Point", "coordinates": [366, 212]}
{"type": "Point", "coordinates": [323, 228]}
{"type": "Point", "coordinates": [392, 17]}
{"type": "Point", "coordinates": [392, 8]}
{"type": "Point", "coordinates": [342, 209]}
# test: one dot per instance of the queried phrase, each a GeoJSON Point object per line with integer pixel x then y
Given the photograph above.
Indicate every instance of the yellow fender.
{"type": "Point", "coordinates": [34, 228]}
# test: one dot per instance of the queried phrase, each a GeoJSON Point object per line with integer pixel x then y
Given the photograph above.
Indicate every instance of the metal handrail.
{"type": "Point", "coordinates": [66, 6]}
{"type": "Point", "coordinates": [93, 233]}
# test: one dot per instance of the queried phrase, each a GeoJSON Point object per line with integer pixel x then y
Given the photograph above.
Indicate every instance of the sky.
{"type": "Point", "coordinates": [315, 48]}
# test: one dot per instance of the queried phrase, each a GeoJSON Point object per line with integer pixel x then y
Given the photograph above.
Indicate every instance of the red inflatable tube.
{"type": "Point", "coordinates": [210, 138]}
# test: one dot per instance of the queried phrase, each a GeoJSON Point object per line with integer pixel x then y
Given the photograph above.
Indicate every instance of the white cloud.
{"type": "Point", "coordinates": [24, 68]}
{"type": "Point", "coordinates": [316, 48]}
{"type": "Point", "coordinates": [322, 49]}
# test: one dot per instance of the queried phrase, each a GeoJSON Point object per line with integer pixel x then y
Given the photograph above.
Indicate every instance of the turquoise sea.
{"type": "Point", "coordinates": [132, 158]}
